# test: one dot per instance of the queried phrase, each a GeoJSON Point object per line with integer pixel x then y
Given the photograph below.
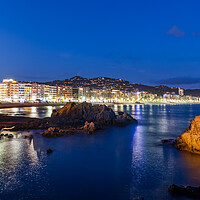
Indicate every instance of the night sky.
{"type": "Point", "coordinates": [149, 42]}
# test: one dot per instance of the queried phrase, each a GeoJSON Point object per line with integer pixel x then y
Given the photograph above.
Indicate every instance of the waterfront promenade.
{"type": "Point", "coordinates": [18, 105]}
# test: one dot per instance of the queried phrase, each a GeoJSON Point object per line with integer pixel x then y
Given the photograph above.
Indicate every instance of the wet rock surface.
{"type": "Point", "coordinates": [189, 191]}
{"type": "Point", "coordinates": [190, 139]}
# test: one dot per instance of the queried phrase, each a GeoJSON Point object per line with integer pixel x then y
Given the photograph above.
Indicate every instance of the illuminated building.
{"type": "Point", "coordinates": [50, 93]}
{"type": "Point", "coordinates": [181, 92]}
{"type": "Point", "coordinates": [38, 91]}
{"type": "Point", "coordinates": [25, 92]}
{"type": "Point", "coordinates": [83, 94]}
{"type": "Point", "coordinates": [67, 93]}
{"type": "Point", "coordinates": [3, 91]}
{"type": "Point", "coordinates": [9, 90]}
{"type": "Point", "coordinates": [94, 91]}
{"type": "Point", "coordinates": [75, 94]}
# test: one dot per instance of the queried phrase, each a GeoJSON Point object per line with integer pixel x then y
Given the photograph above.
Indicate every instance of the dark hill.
{"type": "Point", "coordinates": [119, 84]}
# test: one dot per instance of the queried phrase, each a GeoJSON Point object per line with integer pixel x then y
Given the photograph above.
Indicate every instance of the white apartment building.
{"type": "Point", "coordinates": [9, 90]}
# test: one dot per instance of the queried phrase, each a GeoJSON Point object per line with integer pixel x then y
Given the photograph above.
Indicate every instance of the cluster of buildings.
{"type": "Point", "coordinates": [14, 91]}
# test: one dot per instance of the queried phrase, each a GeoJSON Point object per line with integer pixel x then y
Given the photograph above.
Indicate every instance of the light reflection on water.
{"type": "Point", "coordinates": [118, 163]}
{"type": "Point", "coordinates": [20, 167]}
{"type": "Point", "coordinates": [34, 112]}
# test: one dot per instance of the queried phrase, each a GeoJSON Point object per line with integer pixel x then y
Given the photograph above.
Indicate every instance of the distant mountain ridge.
{"type": "Point", "coordinates": [119, 84]}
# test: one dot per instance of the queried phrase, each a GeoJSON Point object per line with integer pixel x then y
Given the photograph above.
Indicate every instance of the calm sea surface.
{"type": "Point", "coordinates": [119, 163]}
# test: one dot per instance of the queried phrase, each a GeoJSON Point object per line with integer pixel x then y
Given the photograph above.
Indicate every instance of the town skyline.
{"type": "Point", "coordinates": [96, 90]}
{"type": "Point", "coordinates": [159, 83]}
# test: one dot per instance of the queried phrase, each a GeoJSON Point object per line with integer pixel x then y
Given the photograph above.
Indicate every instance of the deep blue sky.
{"type": "Point", "coordinates": [143, 41]}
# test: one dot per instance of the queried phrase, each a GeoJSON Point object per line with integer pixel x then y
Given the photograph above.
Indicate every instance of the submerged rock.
{"type": "Point", "coordinates": [167, 141]}
{"type": "Point", "coordinates": [190, 139]}
{"type": "Point", "coordinates": [49, 151]}
{"type": "Point", "coordinates": [189, 191]}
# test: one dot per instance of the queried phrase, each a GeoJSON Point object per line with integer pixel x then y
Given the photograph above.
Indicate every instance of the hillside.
{"type": "Point", "coordinates": [118, 84]}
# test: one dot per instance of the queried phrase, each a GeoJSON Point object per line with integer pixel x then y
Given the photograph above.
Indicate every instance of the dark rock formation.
{"type": "Point", "coordinates": [78, 114]}
{"type": "Point", "coordinates": [52, 132]}
{"type": "Point", "coordinates": [77, 118]}
{"type": "Point", "coordinates": [189, 191]}
{"type": "Point", "coordinates": [124, 119]}
{"type": "Point", "coordinates": [168, 141]}
{"type": "Point", "coordinates": [49, 151]}
{"type": "Point", "coordinates": [58, 132]}
{"type": "Point", "coordinates": [10, 136]}
{"type": "Point", "coordinates": [190, 139]}
{"type": "Point", "coordinates": [33, 124]}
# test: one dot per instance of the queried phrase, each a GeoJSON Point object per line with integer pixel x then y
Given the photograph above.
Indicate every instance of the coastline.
{"type": "Point", "coordinates": [18, 105]}
{"type": "Point", "coordinates": [150, 103]}
{"type": "Point", "coordinates": [7, 121]}
{"type": "Point", "coordinates": [72, 117]}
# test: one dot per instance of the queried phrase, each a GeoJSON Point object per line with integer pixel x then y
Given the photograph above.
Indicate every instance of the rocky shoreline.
{"type": "Point", "coordinates": [9, 121]}
{"type": "Point", "coordinates": [72, 118]}
{"type": "Point", "coordinates": [190, 139]}
{"type": "Point", "coordinates": [188, 191]}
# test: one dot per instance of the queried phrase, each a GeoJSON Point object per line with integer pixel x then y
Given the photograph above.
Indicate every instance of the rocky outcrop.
{"type": "Point", "coordinates": [78, 114]}
{"type": "Point", "coordinates": [190, 139]}
{"type": "Point", "coordinates": [76, 118]}
{"type": "Point", "coordinates": [58, 132]}
{"type": "Point", "coordinates": [52, 132]}
{"type": "Point", "coordinates": [124, 119]}
{"type": "Point", "coordinates": [89, 127]}
{"type": "Point", "coordinates": [189, 191]}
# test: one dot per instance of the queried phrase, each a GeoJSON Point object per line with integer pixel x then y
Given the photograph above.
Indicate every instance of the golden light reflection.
{"type": "Point", "coordinates": [14, 153]}
{"type": "Point", "coordinates": [192, 166]}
